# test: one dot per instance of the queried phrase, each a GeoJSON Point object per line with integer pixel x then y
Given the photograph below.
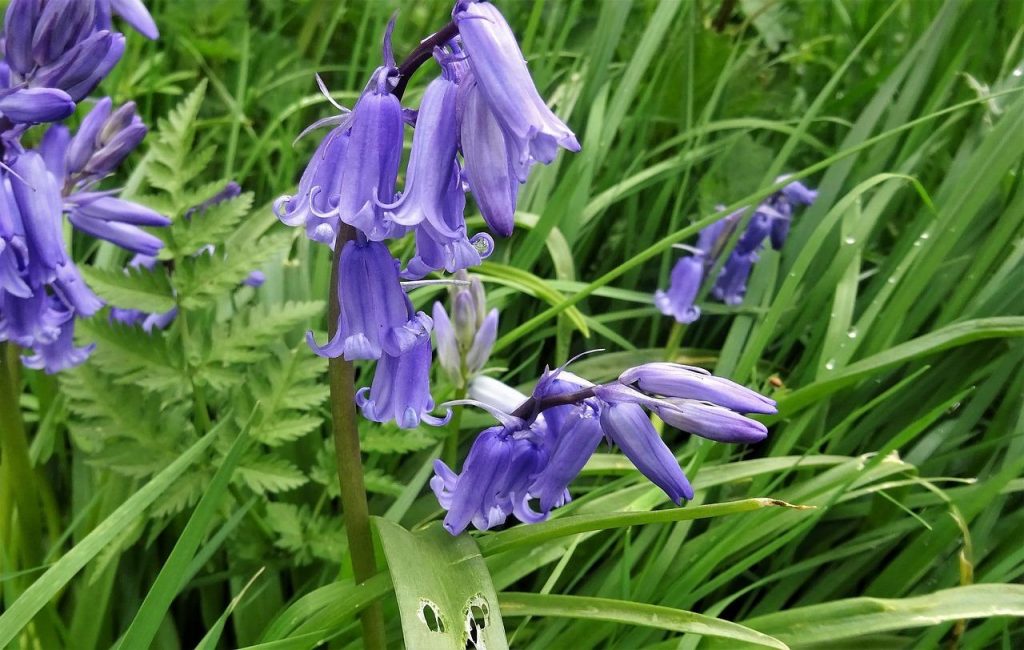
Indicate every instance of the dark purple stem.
{"type": "Point", "coordinates": [421, 55]}
{"type": "Point", "coordinates": [532, 406]}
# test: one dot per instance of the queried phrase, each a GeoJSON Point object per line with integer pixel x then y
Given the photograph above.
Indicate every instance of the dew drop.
{"type": "Point", "coordinates": [852, 332]}
{"type": "Point", "coordinates": [925, 235]}
{"type": "Point", "coordinates": [830, 364]}
{"type": "Point", "coordinates": [917, 244]}
{"type": "Point", "coordinates": [891, 280]}
{"type": "Point", "coordinates": [1018, 72]}
{"type": "Point", "coordinates": [849, 241]}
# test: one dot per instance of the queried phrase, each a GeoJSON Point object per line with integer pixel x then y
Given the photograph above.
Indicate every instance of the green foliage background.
{"type": "Point", "coordinates": [888, 329]}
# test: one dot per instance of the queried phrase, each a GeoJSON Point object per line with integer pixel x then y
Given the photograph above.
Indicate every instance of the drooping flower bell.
{"type": "Point", "coordinates": [684, 285]}
{"type": "Point", "coordinates": [400, 390]}
{"type": "Point", "coordinates": [376, 315]}
{"type": "Point", "coordinates": [532, 131]}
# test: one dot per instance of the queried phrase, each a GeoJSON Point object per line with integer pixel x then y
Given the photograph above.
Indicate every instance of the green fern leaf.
{"type": "Point", "coordinates": [144, 289]}
{"type": "Point", "coordinates": [202, 280]}
{"type": "Point", "coordinates": [269, 474]}
{"type": "Point", "coordinates": [286, 429]}
{"type": "Point", "coordinates": [211, 226]}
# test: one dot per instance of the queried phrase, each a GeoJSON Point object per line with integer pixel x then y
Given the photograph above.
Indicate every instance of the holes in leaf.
{"type": "Point", "coordinates": [476, 615]}
{"type": "Point", "coordinates": [431, 616]}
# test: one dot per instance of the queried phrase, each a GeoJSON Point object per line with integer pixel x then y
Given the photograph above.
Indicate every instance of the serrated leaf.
{"type": "Point", "coordinates": [173, 161]}
{"type": "Point", "coordinates": [271, 474]}
{"type": "Point", "coordinates": [144, 289]}
{"type": "Point", "coordinates": [247, 336]}
{"type": "Point", "coordinates": [133, 356]}
{"type": "Point", "coordinates": [211, 225]}
{"type": "Point", "coordinates": [379, 482]}
{"type": "Point", "coordinates": [202, 280]}
{"type": "Point", "coordinates": [286, 429]}
{"type": "Point", "coordinates": [389, 440]}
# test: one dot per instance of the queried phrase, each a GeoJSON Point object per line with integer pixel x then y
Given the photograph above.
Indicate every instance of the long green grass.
{"type": "Point", "coordinates": [888, 328]}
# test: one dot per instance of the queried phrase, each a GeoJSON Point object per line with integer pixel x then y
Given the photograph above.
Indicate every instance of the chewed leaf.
{"type": "Point", "coordinates": [445, 595]}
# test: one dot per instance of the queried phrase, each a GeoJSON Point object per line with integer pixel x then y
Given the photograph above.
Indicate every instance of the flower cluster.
{"type": "Point", "coordinates": [770, 221]}
{"type": "Point", "coordinates": [55, 53]}
{"type": "Point", "coordinates": [523, 466]}
{"type": "Point", "coordinates": [481, 125]}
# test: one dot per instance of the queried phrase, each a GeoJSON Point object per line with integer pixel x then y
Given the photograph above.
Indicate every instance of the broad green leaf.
{"type": "Point", "coordinates": [444, 591]}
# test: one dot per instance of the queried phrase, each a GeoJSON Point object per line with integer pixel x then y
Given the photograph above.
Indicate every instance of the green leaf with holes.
{"type": "Point", "coordinates": [445, 595]}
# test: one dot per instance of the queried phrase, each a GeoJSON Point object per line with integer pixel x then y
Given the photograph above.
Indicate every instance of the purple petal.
{"type": "Point", "coordinates": [489, 167]}
{"type": "Point", "coordinates": [135, 14]}
{"type": "Point", "coordinates": [506, 85]}
{"type": "Point", "coordinates": [684, 285]}
{"type": "Point", "coordinates": [34, 105]}
{"type": "Point", "coordinates": [675, 380]}
{"type": "Point", "coordinates": [628, 427]}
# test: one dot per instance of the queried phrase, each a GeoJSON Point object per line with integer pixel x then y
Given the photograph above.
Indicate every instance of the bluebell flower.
{"type": "Point", "coordinates": [532, 131]}
{"type": "Point", "coordinates": [689, 382]}
{"type": "Point", "coordinates": [731, 285]}
{"type": "Point", "coordinates": [311, 206]}
{"type": "Point", "coordinates": [369, 169]}
{"type": "Point", "coordinates": [770, 221]}
{"type": "Point", "coordinates": [34, 105]}
{"type": "Point", "coordinates": [133, 12]}
{"type": "Point", "coordinates": [400, 390]}
{"type": "Point", "coordinates": [104, 139]}
{"type": "Point", "coordinates": [490, 169]}
{"type": "Point", "coordinates": [38, 201]}
{"type": "Point", "coordinates": [629, 427]}
{"type": "Point", "coordinates": [684, 285]}
{"type": "Point", "coordinates": [704, 419]}
{"type": "Point", "coordinates": [376, 315]}
{"type": "Point", "coordinates": [55, 53]}
{"type": "Point", "coordinates": [61, 352]}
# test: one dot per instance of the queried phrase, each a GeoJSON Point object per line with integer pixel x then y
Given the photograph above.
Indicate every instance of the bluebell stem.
{"type": "Point", "coordinates": [564, 420]}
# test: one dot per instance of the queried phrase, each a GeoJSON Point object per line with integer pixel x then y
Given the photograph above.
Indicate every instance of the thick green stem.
{"type": "Point", "coordinates": [350, 462]}
{"type": "Point", "coordinates": [18, 480]}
